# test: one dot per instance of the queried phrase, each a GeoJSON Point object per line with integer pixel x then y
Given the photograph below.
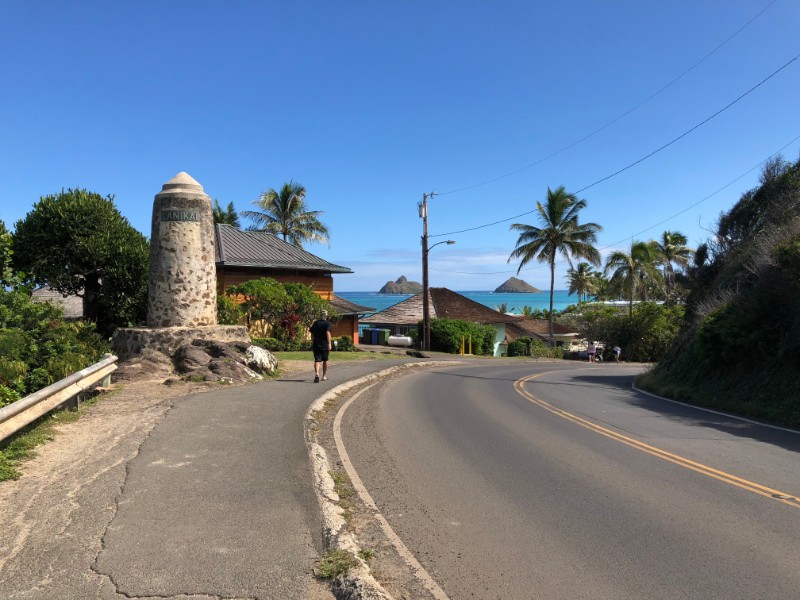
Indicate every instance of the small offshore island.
{"type": "Point", "coordinates": [516, 286]}
{"type": "Point", "coordinates": [401, 286]}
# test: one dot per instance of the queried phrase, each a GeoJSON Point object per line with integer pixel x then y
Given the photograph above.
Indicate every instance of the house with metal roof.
{"type": "Point", "coordinates": [245, 255]}
{"type": "Point", "coordinates": [444, 304]}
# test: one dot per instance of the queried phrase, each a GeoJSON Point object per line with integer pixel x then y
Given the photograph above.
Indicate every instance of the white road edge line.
{"type": "Point", "coordinates": [714, 412]}
{"type": "Point", "coordinates": [359, 581]}
{"type": "Point", "coordinates": [365, 496]}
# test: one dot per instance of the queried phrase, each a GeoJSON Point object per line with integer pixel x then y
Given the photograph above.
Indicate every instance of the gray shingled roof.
{"type": "Point", "coordinates": [527, 327]}
{"type": "Point", "coordinates": [345, 307]}
{"type": "Point", "coordinates": [72, 305]}
{"type": "Point", "coordinates": [444, 304]}
{"type": "Point", "coordinates": [237, 248]}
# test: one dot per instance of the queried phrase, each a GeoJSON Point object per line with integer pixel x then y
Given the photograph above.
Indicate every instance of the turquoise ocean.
{"type": "Point", "coordinates": [513, 302]}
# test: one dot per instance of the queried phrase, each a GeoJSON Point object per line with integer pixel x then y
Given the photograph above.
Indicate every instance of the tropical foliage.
{"type": "Point", "coordinates": [447, 335]}
{"type": "Point", "coordinates": [37, 347]}
{"type": "Point", "coordinates": [672, 252]}
{"type": "Point", "coordinates": [560, 234]}
{"type": "Point", "coordinates": [285, 213]}
{"type": "Point", "coordinates": [228, 216]}
{"type": "Point", "coordinates": [78, 243]}
{"type": "Point", "coordinates": [273, 309]}
{"type": "Point", "coordinates": [582, 280]}
{"type": "Point", "coordinates": [740, 341]}
{"type": "Point", "coordinates": [634, 273]}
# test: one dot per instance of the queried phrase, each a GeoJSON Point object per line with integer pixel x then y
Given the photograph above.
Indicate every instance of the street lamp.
{"type": "Point", "coordinates": [426, 311]}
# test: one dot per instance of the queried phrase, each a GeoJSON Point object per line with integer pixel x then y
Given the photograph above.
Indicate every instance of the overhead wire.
{"type": "Point", "coordinates": [642, 159]}
{"type": "Point", "coordinates": [688, 208]}
{"type": "Point", "coordinates": [621, 116]}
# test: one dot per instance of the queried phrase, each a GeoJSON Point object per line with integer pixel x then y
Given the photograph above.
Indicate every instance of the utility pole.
{"type": "Point", "coordinates": [426, 313]}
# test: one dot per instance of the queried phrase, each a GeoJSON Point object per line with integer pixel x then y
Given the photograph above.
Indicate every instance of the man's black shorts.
{"type": "Point", "coordinates": [321, 355]}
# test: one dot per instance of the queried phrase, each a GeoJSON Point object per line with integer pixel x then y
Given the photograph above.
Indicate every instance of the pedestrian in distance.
{"type": "Point", "coordinates": [617, 352]}
{"type": "Point", "coordinates": [321, 344]}
{"type": "Point", "coordinates": [591, 350]}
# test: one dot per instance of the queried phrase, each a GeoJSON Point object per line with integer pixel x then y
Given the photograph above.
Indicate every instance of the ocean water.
{"type": "Point", "coordinates": [514, 302]}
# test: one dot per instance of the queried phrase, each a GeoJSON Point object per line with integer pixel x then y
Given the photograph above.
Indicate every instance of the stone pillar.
{"type": "Point", "coordinates": [183, 282]}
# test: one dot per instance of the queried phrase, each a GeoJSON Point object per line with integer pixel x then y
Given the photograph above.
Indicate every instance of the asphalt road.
{"type": "Point", "coordinates": [573, 485]}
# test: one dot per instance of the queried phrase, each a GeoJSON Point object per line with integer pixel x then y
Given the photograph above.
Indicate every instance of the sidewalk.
{"type": "Point", "coordinates": [208, 495]}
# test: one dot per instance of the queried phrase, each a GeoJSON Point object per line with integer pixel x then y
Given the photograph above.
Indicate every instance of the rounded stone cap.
{"type": "Point", "coordinates": [182, 181]}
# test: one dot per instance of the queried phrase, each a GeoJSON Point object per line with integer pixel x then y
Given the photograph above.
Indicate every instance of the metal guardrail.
{"type": "Point", "coordinates": [18, 414]}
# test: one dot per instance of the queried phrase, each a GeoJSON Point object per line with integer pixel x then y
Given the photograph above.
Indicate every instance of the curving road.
{"type": "Point", "coordinates": [536, 480]}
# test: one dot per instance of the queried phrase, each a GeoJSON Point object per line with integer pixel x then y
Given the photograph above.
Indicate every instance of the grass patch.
{"type": "Point", "coordinates": [344, 489]}
{"type": "Point", "coordinates": [335, 563]}
{"type": "Point", "coordinates": [334, 356]}
{"type": "Point", "coordinates": [365, 554]}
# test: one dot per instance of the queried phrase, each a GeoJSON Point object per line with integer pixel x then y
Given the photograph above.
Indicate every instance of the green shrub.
{"type": "Point", "coordinates": [282, 345]}
{"type": "Point", "coordinates": [228, 312]}
{"type": "Point", "coordinates": [519, 347]}
{"type": "Point", "coordinates": [8, 395]}
{"type": "Point", "coordinates": [38, 347]}
{"type": "Point", "coordinates": [448, 334]}
{"type": "Point", "coordinates": [344, 344]}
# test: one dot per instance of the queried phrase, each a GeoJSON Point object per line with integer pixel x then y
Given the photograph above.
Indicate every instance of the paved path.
{"type": "Point", "coordinates": [208, 495]}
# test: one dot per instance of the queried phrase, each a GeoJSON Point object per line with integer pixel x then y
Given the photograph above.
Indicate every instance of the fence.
{"type": "Point", "coordinates": [18, 414]}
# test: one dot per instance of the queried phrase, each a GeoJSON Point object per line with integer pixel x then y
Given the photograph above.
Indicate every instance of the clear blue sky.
{"type": "Point", "coordinates": [371, 104]}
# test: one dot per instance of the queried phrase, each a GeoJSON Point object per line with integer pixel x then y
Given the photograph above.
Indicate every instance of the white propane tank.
{"type": "Point", "coordinates": [399, 340]}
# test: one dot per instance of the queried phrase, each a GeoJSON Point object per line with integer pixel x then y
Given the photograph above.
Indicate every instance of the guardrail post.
{"type": "Point", "coordinates": [106, 381]}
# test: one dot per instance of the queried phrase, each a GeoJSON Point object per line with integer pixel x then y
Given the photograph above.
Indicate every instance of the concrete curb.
{"type": "Point", "coordinates": [358, 584]}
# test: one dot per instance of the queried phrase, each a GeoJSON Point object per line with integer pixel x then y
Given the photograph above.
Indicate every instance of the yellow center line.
{"type": "Point", "coordinates": [750, 486]}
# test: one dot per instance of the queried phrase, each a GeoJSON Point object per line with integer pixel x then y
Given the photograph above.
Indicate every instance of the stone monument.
{"type": "Point", "coordinates": [182, 288]}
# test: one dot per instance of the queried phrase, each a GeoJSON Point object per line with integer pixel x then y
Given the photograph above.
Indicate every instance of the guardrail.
{"type": "Point", "coordinates": [18, 414]}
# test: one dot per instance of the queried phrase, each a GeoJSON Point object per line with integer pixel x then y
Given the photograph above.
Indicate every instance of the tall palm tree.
{"type": "Point", "coordinates": [582, 280]}
{"type": "Point", "coordinates": [560, 234]}
{"type": "Point", "coordinates": [673, 251]}
{"type": "Point", "coordinates": [284, 213]}
{"type": "Point", "coordinates": [227, 216]}
{"type": "Point", "coordinates": [631, 272]}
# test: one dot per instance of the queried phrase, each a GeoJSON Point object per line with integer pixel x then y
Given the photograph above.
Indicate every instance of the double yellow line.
{"type": "Point", "coordinates": [750, 486]}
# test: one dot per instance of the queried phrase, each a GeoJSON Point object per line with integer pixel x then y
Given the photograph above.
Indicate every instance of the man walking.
{"type": "Point", "coordinates": [321, 344]}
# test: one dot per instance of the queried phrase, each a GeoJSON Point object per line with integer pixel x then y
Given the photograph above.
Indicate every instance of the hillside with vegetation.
{"type": "Point", "coordinates": [739, 345]}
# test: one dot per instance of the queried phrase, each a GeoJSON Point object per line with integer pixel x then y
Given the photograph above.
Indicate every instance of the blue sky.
{"type": "Point", "coordinates": [371, 104]}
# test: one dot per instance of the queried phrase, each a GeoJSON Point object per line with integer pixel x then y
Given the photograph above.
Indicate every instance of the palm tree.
{"type": "Point", "coordinates": [581, 280]}
{"type": "Point", "coordinates": [632, 272]}
{"type": "Point", "coordinates": [527, 311]}
{"type": "Point", "coordinates": [672, 250]}
{"type": "Point", "coordinates": [284, 213]}
{"type": "Point", "coordinates": [560, 234]}
{"type": "Point", "coordinates": [227, 216]}
{"type": "Point", "coordinates": [503, 308]}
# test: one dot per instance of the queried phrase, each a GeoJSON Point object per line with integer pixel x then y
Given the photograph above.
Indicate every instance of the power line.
{"type": "Point", "coordinates": [691, 206]}
{"type": "Point", "coordinates": [610, 123]}
{"type": "Point", "coordinates": [653, 153]}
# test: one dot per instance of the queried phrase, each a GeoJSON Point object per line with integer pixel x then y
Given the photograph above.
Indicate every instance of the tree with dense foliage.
{"type": "Point", "coordinates": [77, 242]}
{"type": "Point", "coordinates": [581, 280]}
{"type": "Point", "coordinates": [560, 233]}
{"type": "Point", "coordinates": [284, 213]}
{"type": "Point", "coordinates": [672, 250]}
{"type": "Point", "coordinates": [632, 271]}
{"type": "Point", "coordinates": [228, 216]}
{"type": "Point", "coordinates": [6, 270]}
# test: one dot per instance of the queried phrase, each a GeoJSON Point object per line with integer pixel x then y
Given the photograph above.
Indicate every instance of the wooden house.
{"type": "Point", "coordinates": [245, 255]}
